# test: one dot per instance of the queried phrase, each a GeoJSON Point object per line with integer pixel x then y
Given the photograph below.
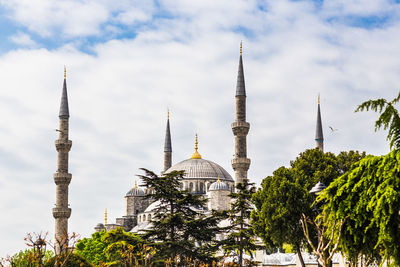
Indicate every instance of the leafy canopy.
{"type": "Point", "coordinates": [284, 196]}
{"type": "Point", "coordinates": [389, 118]}
{"type": "Point", "coordinates": [369, 196]}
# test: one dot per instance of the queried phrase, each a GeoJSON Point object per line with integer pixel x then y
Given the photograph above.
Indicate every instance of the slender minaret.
{"type": "Point", "coordinates": [62, 178]}
{"type": "Point", "coordinates": [319, 137]}
{"type": "Point", "coordinates": [167, 147]}
{"type": "Point", "coordinates": [240, 128]}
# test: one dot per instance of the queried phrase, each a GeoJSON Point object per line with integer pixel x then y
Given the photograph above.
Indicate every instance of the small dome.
{"type": "Point", "coordinates": [100, 225]}
{"type": "Point", "coordinates": [153, 206]}
{"type": "Point", "coordinates": [135, 192]}
{"type": "Point", "coordinates": [218, 186]}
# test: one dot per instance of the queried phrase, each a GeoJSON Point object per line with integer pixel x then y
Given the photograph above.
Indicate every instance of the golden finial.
{"type": "Point", "coordinates": [240, 47]}
{"type": "Point", "coordinates": [219, 180]}
{"type": "Point", "coordinates": [318, 99]}
{"type": "Point", "coordinates": [196, 154]}
{"type": "Point", "coordinates": [105, 217]}
{"type": "Point", "coordinates": [135, 186]}
{"type": "Point", "coordinates": [168, 114]}
{"type": "Point", "coordinates": [65, 72]}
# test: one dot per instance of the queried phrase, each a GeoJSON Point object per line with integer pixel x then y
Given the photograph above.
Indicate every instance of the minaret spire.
{"type": "Point", "coordinates": [240, 128]}
{"type": "Point", "coordinates": [62, 178]}
{"type": "Point", "coordinates": [196, 154]}
{"type": "Point", "coordinates": [64, 110]}
{"type": "Point", "coordinates": [167, 147]}
{"type": "Point", "coordinates": [319, 137]}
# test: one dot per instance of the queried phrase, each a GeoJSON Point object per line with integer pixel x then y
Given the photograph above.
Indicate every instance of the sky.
{"type": "Point", "coordinates": [129, 61]}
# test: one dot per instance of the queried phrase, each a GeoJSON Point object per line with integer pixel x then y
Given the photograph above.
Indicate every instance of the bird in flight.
{"type": "Point", "coordinates": [332, 129]}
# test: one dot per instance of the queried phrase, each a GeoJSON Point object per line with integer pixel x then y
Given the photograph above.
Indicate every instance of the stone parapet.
{"type": "Point", "coordinates": [62, 178]}
{"type": "Point", "coordinates": [240, 128]}
{"type": "Point", "coordinates": [63, 145]}
{"type": "Point", "coordinates": [240, 164]}
{"type": "Point", "coordinates": [61, 212]}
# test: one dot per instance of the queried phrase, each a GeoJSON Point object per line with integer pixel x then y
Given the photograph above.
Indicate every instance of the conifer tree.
{"type": "Point", "coordinates": [180, 229]}
{"type": "Point", "coordinates": [241, 238]}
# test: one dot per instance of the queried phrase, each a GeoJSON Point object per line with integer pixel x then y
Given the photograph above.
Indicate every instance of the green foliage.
{"type": "Point", "coordinates": [369, 196]}
{"type": "Point", "coordinates": [27, 258]}
{"type": "Point", "coordinates": [389, 118]}
{"type": "Point", "coordinates": [67, 259]}
{"type": "Point", "coordinates": [284, 196]}
{"type": "Point", "coordinates": [113, 247]}
{"type": "Point", "coordinates": [241, 237]}
{"type": "Point", "coordinates": [180, 228]}
{"type": "Point", "coordinates": [93, 249]}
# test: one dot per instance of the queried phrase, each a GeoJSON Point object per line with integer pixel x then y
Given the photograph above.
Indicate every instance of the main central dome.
{"type": "Point", "coordinates": [198, 168]}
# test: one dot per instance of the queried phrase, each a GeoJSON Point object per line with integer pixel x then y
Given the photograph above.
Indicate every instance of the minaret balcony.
{"type": "Point", "coordinates": [240, 163]}
{"type": "Point", "coordinates": [62, 178]}
{"type": "Point", "coordinates": [61, 213]}
{"type": "Point", "coordinates": [240, 127]}
{"type": "Point", "coordinates": [63, 145]}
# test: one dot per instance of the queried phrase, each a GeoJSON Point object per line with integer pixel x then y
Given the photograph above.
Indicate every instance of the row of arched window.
{"type": "Point", "coordinates": [144, 218]}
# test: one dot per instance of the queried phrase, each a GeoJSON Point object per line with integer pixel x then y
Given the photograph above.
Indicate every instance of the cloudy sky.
{"type": "Point", "coordinates": [128, 61]}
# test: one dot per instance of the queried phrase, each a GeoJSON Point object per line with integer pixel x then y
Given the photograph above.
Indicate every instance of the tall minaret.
{"type": "Point", "coordinates": [62, 178]}
{"type": "Point", "coordinates": [319, 137]}
{"type": "Point", "coordinates": [240, 128]}
{"type": "Point", "coordinates": [167, 147]}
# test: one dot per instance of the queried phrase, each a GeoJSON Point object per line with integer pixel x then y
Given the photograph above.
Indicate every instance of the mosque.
{"type": "Point", "coordinates": [202, 177]}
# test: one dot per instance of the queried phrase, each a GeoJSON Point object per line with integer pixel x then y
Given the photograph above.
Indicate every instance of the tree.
{"type": "Point", "coordinates": [180, 229]}
{"type": "Point", "coordinates": [368, 196]}
{"type": "Point", "coordinates": [284, 197]}
{"type": "Point", "coordinates": [241, 237]}
{"type": "Point", "coordinates": [114, 247]}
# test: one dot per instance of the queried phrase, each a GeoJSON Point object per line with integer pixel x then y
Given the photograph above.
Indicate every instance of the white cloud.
{"type": "Point", "coordinates": [73, 18]}
{"type": "Point", "coordinates": [119, 96]}
{"type": "Point", "coordinates": [23, 39]}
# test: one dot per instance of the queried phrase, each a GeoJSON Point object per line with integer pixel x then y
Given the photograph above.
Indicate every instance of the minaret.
{"type": "Point", "coordinates": [62, 178]}
{"type": "Point", "coordinates": [240, 128]}
{"type": "Point", "coordinates": [319, 137]}
{"type": "Point", "coordinates": [167, 147]}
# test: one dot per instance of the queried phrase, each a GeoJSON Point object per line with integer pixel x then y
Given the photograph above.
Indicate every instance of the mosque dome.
{"type": "Point", "coordinates": [218, 186]}
{"type": "Point", "coordinates": [198, 168]}
{"type": "Point", "coordinates": [135, 192]}
{"type": "Point", "coordinates": [201, 169]}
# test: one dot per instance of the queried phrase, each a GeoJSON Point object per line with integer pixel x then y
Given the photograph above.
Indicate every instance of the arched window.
{"type": "Point", "coordinates": [149, 217]}
{"type": "Point", "coordinates": [191, 187]}
{"type": "Point", "coordinates": [144, 217]}
{"type": "Point", "coordinates": [202, 187]}
{"type": "Point", "coordinates": [181, 186]}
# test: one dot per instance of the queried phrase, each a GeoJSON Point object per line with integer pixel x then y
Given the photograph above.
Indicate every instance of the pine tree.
{"type": "Point", "coordinates": [180, 229]}
{"type": "Point", "coordinates": [241, 238]}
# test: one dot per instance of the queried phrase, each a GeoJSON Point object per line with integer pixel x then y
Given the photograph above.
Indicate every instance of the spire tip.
{"type": "Point", "coordinates": [105, 217]}
{"type": "Point", "coordinates": [196, 154]}
{"type": "Point", "coordinates": [65, 72]}
{"type": "Point", "coordinates": [241, 48]}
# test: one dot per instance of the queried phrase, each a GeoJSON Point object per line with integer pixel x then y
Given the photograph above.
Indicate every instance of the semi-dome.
{"type": "Point", "coordinates": [135, 192]}
{"type": "Point", "coordinates": [198, 168]}
{"type": "Point", "coordinates": [218, 186]}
